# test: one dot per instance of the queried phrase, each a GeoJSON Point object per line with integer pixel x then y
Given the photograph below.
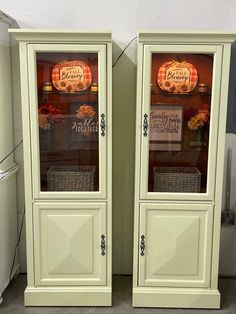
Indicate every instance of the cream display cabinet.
{"type": "Point", "coordinates": [66, 108]}
{"type": "Point", "coordinates": [182, 90]}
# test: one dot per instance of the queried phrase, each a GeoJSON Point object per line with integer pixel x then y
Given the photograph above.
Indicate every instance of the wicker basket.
{"type": "Point", "coordinates": [70, 178]}
{"type": "Point", "coordinates": [177, 179]}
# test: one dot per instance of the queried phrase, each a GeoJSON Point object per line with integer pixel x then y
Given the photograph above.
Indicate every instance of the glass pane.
{"type": "Point", "coordinates": [179, 122]}
{"type": "Point", "coordinates": [68, 121]}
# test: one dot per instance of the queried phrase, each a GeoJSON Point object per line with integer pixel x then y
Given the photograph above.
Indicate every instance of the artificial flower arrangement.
{"type": "Point", "coordinates": [200, 119]}
{"type": "Point", "coordinates": [49, 114]}
{"type": "Point", "coordinates": [85, 112]}
{"type": "Point", "coordinates": [86, 122]}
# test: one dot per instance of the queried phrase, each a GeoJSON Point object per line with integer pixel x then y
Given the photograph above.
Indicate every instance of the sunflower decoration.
{"type": "Point", "coordinates": [85, 111]}
{"type": "Point", "coordinates": [200, 119]}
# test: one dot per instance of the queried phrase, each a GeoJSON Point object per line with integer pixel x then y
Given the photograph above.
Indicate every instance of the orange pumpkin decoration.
{"type": "Point", "coordinates": [71, 76]}
{"type": "Point", "coordinates": [177, 77]}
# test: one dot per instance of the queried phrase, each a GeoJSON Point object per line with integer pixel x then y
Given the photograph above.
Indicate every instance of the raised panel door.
{"type": "Point", "coordinates": [175, 245]}
{"type": "Point", "coordinates": [69, 241]}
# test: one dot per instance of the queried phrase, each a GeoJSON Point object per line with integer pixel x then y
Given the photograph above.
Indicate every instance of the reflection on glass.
{"type": "Point", "coordinates": [68, 121]}
{"type": "Point", "coordinates": [180, 107]}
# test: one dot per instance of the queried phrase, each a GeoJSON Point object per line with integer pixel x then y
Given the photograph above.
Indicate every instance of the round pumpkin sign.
{"type": "Point", "coordinates": [71, 76]}
{"type": "Point", "coordinates": [177, 77]}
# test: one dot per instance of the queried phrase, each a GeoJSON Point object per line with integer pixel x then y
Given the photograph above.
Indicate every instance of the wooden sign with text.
{"type": "Point", "coordinates": [177, 77]}
{"type": "Point", "coordinates": [166, 123]}
{"type": "Point", "coordinates": [71, 76]}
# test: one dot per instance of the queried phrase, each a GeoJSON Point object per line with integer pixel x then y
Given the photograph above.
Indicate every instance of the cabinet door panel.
{"type": "Point", "coordinates": [177, 245]}
{"type": "Point", "coordinates": [181, 95]}
{"type": "Point", "coordinates": [67, 243]}
{"type": "Point", "coordinates": [69, 147]}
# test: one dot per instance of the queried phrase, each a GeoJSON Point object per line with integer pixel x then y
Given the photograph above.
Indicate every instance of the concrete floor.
{"type": "Point", "coordinates": [122, 288]}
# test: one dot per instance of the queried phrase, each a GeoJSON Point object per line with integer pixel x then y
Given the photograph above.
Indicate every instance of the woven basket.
{"type": "Point", "coordinates": [177, 179]}
{"type": "Point", "coordinates": [70, 178]}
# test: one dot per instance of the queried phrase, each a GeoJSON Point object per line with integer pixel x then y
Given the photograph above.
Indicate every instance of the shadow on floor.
{"type": "Point", "coordinates": [13, 302]}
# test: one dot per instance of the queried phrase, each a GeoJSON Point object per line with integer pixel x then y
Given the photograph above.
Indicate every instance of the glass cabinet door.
{"type": "Point", "coordinates": [68, 116]}
{"type": "Point", "coordinates": [180, 101]}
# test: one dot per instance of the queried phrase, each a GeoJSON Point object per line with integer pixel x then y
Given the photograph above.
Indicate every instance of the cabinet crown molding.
{"type": "Point", "coordinates": [194, 37]}
{"type": "Point", "coordinates": [61, 35]}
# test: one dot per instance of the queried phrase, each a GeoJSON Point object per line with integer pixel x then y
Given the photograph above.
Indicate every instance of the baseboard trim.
{"type": "Point", "coordinates": [176, 298]}
{"type": "Point", "coordinates": [68, 296]}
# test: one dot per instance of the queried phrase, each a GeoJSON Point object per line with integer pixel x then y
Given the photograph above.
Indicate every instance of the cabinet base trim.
{"type": "Point", "coordinates": [187, 298]}
{"type": "Point", "coordinates": [67, 296]}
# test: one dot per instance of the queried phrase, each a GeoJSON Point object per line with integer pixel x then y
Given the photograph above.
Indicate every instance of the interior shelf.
{"type": "Point", "coordinates": [181, 95]}
{"type": "Point", "coordinates": [68, 97]}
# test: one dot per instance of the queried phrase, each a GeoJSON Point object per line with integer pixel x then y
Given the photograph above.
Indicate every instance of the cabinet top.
{"type": "Point", "coordinates": [61, 35]}
{"type": "Point", "coordinates": [194, 37]}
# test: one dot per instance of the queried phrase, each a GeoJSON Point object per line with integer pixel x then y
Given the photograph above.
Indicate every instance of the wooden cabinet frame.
{"type": "Point", "coordinates": [44, 289]}
{"type": "Point", "coordinates": [163, 286]}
